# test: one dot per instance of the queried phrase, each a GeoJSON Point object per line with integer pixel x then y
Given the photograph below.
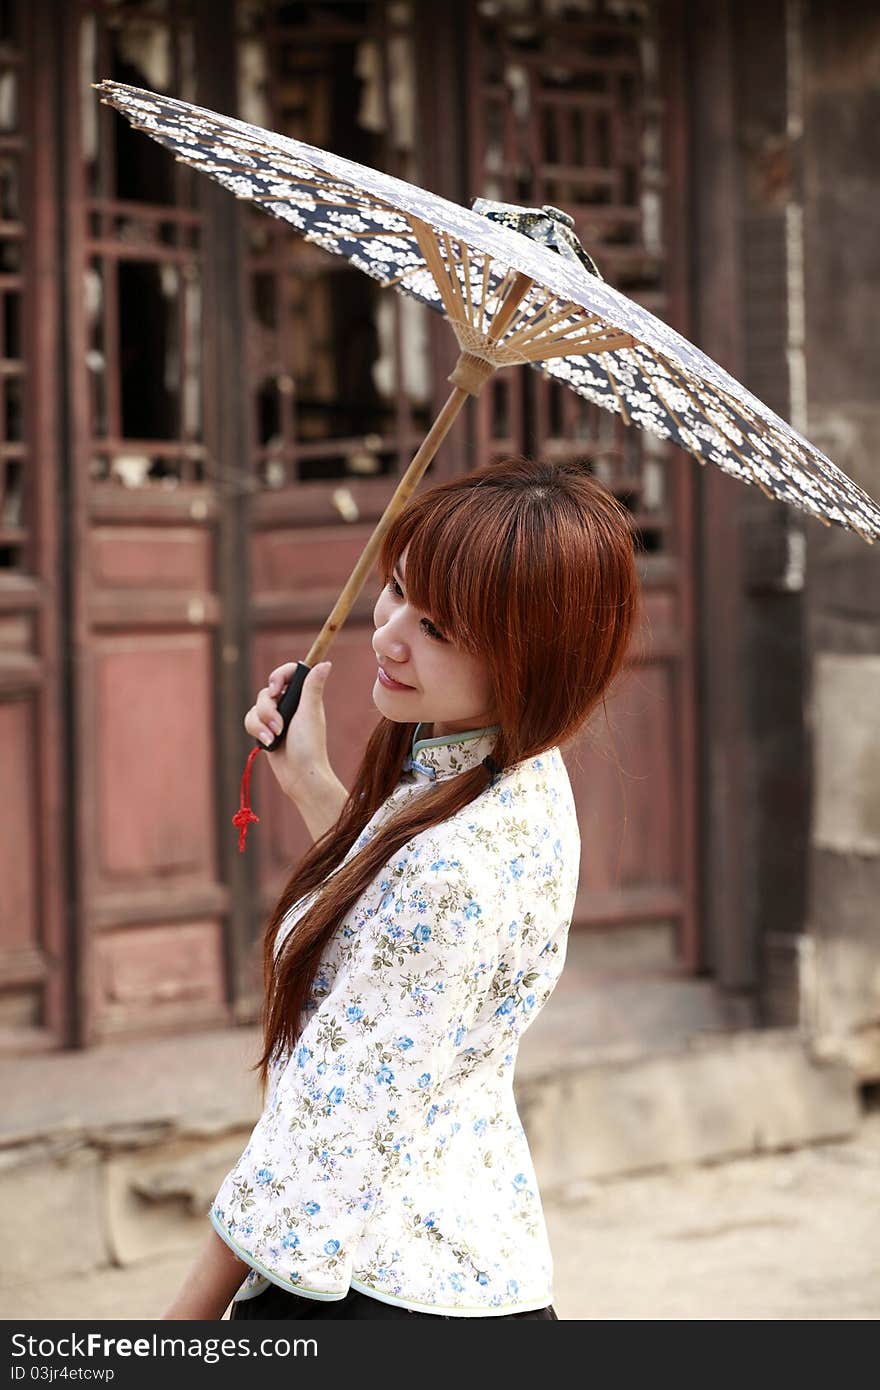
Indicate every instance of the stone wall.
{"type": "Point", "coordinates": [805, 93]}
{"type": "Point", "coordinates": [840, 985]}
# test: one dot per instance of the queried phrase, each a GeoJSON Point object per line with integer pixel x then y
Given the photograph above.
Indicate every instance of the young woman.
{"type": "Point", "coordinates": [389, 1174]}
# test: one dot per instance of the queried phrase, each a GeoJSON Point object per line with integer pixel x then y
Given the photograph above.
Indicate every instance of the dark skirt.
{"type": "Point", "coordinates": [275, 1302]}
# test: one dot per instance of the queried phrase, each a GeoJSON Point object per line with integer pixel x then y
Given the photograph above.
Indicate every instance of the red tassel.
{"type": "Point", "coordinates": [244, 816]}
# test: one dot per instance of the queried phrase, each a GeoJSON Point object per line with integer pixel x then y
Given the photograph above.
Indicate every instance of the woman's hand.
{"type": "Point", "coordinates": [302, 759]}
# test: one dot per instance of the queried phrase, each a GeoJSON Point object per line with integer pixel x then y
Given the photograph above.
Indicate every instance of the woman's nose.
{"type": "Point", "coordinates": [385, 638]}
{"type": "Point", "coordinates": [391, 651]}
{"type": "Point", "coordinates": [386, 644]}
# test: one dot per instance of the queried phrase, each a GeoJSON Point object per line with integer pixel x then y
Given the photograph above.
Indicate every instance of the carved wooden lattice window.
{"type": "Point", "coordinates": [566, 109]}
{"type": "Point", "coordinates": [142, 274]}
{"type": "Point", "coordinates": [338, 367]}
{"type": "Point", "coordinates": [14, 532]}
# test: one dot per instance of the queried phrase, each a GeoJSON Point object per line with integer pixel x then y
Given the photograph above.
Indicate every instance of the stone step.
{"type": "Point", "coordinates": [596, 1112]}
{"type": "Point", "coordinates": [642, 1013]}
{"type": "Point", "coordinates": [111, 1156]}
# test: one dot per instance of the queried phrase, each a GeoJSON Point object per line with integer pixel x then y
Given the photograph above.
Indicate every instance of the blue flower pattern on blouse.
{"type": "Point", "coordinates": [389, 1155]}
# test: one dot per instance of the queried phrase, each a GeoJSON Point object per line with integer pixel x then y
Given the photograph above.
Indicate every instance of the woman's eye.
{"type": "Point", "coordinates": [426, 622]}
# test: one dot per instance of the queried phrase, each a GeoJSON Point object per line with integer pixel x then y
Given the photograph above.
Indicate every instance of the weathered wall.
{"type": "Point", "coordinates": [841, 190]}
{"type": "Point", "coordinates": [776, 818]}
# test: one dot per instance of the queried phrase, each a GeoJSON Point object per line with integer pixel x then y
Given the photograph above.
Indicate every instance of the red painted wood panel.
{"type": "Point", "coordinates": [623, 776]}
{"type": "Point", "coordinates": [177, 558]}
{"type": "Point", "coordinates": [154, 714]}
{"type": "Point", "coordinates": [158, 974]}
{"type": "Point", "coordinates": [306, 558]}
{"type": "Point", "coordinates": [18, 887]}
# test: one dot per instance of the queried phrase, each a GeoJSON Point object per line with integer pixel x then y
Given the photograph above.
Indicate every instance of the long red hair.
{"type": "Point", "coordinates": [532, 567]}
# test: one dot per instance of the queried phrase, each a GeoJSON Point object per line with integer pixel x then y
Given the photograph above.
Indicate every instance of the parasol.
{"type": "Point", "coordinates": [517, 288]}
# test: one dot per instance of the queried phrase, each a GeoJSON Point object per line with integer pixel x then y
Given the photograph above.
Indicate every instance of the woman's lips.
{"type": "Point", "coordinates": [390, 683]}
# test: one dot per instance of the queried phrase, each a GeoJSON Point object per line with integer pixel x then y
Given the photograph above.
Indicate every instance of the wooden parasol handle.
{"type": "Point", "coordinates": [469, 376]}
{"type": "Point", "coordinates": [401, 495]}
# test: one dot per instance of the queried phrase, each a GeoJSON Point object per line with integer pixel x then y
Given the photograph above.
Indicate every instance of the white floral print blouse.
{"type": "Point", "coordinates": [390, 1156]}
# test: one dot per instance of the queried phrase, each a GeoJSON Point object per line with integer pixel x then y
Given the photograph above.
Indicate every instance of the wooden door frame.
{"type": "Point", "coordinates": [714, 323]}
{"type": "Point", "coordinates": [36, 676]}
{"type": "Point", "coordinates": [226, 438]}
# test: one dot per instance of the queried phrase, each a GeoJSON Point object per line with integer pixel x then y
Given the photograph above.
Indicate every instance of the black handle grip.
{"type": "Point", "coordinates": [288, 705]}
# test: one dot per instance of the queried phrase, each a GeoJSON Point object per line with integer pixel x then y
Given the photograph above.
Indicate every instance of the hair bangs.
{"type": "Point", "coordinates": [452, 563]}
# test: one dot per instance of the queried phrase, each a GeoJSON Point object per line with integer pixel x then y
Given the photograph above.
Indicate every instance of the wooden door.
{"type": "Point", "coordinates": [340, 391]}
{"type": "Point", "coordinates": [151, 902]}
{"type": "Point", "coordinates": [240, 408]}
{"type": "Point", "coordinates": [584, 112]}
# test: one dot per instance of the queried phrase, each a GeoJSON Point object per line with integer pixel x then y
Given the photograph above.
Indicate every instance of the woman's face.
{"type": "Point", "coordinates": [447, 687]}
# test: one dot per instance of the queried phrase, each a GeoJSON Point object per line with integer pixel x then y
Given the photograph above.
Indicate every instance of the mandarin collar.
{"type": "Point", "coordinates": [449, 754]}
